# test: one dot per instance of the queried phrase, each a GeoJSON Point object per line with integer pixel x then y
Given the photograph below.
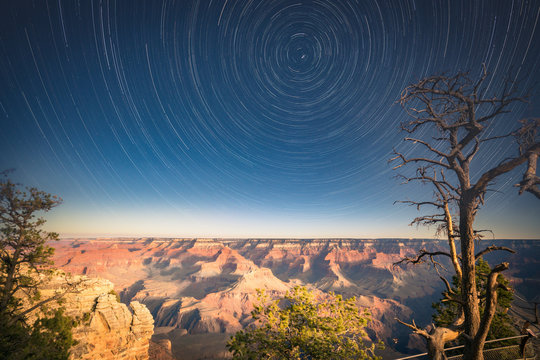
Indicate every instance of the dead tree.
{"type": "Point", "coordinates": [451, 119]}
{"type": "Point", "coordinates": [436, 338]}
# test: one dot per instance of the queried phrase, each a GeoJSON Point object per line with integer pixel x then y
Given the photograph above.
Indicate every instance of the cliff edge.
{"type": "Point", "coordinates": [108, 329]}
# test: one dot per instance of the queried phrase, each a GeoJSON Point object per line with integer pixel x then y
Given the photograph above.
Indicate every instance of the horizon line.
{"type": "Point", "coordinates": [266, 238]}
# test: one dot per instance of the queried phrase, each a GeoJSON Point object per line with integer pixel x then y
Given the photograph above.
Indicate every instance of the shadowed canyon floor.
{"type": "Point", "coordinates": [202, 290]}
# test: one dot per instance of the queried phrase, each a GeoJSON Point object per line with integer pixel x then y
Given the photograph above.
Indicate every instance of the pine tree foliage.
{"type": "Point", "coordinates": [25, 261]}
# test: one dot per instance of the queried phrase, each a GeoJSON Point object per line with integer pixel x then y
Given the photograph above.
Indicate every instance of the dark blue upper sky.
{"type": "Point", "coordinates": [240, 117]}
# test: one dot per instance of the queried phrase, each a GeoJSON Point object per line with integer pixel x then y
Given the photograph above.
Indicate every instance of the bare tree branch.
{"type": "Point", "coordinates": [405, 161]}
{"type": "Point", "coordinates": [419, 258]}
{"type": "Point", "coordinates": [491, 301]}
{"type": "Point", "coordinates": [415, 328]}
{"type": "Point", "coordinates": [530, 181]}
{"type": "Point", "coordinates": [505, 167]}
{"type": "Point", "coordinates": [493, 248]}
{"type": "Point", "coordinates": [450, 294]}
{"type": "Point", "coordinates": [427, 145]}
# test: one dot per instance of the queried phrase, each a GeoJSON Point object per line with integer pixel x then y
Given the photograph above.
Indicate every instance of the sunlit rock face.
{"type": "Point", "coordinates": [108, 329]}
{"type": "Point", "coordinates": [160, 350]}
{"type": "Point", "coordinates": [201, 290]}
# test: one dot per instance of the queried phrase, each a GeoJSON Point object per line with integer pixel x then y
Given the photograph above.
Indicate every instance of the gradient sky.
{"type": "Point", "coordinates": [241, 118]}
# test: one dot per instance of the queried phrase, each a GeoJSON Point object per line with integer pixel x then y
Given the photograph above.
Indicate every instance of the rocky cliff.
{"type": "Point", "coordinates": [108, 329]}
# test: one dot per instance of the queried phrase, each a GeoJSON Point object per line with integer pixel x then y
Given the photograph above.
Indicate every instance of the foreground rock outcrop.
{"type": "Point", "coordinates": [107, 328]}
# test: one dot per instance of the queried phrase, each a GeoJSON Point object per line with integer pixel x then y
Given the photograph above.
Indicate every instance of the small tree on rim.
{"type": "Point", "coordinates": [25, 260]}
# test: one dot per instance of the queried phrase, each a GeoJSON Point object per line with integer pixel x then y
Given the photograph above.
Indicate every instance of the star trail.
{"type": "Point", "coordinates": [240, 117]}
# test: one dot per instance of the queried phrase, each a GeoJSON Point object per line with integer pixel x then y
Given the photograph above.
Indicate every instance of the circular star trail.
{"type": "Point", "coordinates": [265, 112]}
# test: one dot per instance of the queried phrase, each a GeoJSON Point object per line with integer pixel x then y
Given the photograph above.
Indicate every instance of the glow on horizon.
{"type": "Point", "coordinates": [209, 226]}
{"type": "Point", "coordinates": [215, 224]}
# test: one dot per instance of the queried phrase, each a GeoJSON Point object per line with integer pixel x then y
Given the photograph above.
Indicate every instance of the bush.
{"type": "Point", "coordinates": [299, 327]}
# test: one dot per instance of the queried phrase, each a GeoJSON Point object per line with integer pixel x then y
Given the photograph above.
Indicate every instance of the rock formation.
{"type": "Point", "coordinates": [107, 328]}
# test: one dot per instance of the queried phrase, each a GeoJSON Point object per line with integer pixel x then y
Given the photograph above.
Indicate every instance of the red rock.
{"type": "Point", "coordinates": [207, 285]}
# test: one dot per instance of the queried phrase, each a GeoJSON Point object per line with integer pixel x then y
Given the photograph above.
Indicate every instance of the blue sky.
{"type": "Point", "coordinates": [241, 118]}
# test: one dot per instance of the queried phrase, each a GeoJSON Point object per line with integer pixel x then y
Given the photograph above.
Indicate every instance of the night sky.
{"type": "Point", "coordinates": [242, 118]}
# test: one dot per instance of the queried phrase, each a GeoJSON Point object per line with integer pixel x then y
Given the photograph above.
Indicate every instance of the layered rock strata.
{"type": "Point", "coordinates": [107, 328]}
{"type": "Point", "coordinates": [204, 289]}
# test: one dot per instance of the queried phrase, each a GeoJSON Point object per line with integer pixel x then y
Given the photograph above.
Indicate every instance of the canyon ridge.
{"type": "Point", "coordinates": [200, 291]}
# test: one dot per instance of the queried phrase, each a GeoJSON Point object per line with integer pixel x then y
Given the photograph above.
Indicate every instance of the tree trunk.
{"type": "Point", "coordinates": [451, 240]}
{"type": "Point", "coordinates": [435, 350]}
{"type": "Point", "coordinates": [436, 340]}
{"type": "Point", "coordinates": [473, 350]}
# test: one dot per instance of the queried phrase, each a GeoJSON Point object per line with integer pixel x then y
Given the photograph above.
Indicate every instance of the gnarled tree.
{"type": "Point", "coordinates": [25, 260]}
{"type": "Point", "coordinates": [451, 120]}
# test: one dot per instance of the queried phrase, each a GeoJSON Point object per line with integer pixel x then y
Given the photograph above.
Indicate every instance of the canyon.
{"type": "Point", "coordinates": [200, 291]}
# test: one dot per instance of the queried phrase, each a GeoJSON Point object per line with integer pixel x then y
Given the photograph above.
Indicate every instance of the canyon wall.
{"type": "Point", "coordinates": [200, 291]}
